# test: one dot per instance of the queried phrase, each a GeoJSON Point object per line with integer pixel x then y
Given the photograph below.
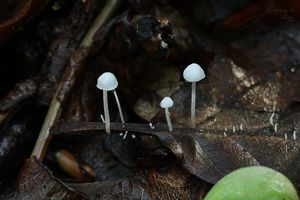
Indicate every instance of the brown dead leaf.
{"type": "Point", "coordinates": [210, 155]}
{"type": "Point", "coordinates": [167, 183]}
{"type": "Point", "coordinates": [37, 183]}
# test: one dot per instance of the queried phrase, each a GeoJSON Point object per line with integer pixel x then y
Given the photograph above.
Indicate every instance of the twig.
{"type": "Point", "coordinates": [69, 78]}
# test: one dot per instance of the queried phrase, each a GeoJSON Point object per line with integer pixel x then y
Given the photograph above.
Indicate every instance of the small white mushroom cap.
{"type": "Point", "coordinates": [167, 102]}
{"type": "Point", "coordinates": [107, 81]}
{"type": "Point", "coordinates": [193, 73]}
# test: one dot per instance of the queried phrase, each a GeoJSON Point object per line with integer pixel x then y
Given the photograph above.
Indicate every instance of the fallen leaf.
{"type": "Point", "coordinates": [167, 183]}
{"type": "Point", "coordinates": [37, 183]}
{"type": "Point", "coordinates": [210, 155]}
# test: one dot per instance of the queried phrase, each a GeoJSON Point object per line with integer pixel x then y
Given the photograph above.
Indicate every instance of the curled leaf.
{"type": "Point", "coordinates": [210, 155]}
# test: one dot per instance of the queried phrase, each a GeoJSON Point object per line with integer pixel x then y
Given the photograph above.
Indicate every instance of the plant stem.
{"type": "Point", "coordinates": [106, 112]}
{"type": "Point", "coordinates": [168, 119]}
{"type": "Point", "coordinates": [193, 105]}
{"type": "Point", "coordinates": [119, 107]}
{"type": "Point", "coordinates": [44, 137]}
{"type": "Point", "coordinates": [55, 108]}
{"type": "Point", "coordinates": [105, 14]}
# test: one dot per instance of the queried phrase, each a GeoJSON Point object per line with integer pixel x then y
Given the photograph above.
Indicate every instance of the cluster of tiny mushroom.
{"type": "Point", "coordinates": [108, 82]}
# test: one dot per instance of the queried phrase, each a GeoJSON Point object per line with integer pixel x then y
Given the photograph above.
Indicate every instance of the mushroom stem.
{"type": "Point", "coordinates": [106, 112]}
{"type": "Point", "coordinates": [119, 107]}
{"type": "Point", "coordinates": [193, 105]}
{"type": "Point", "coordinates": [168, 119]}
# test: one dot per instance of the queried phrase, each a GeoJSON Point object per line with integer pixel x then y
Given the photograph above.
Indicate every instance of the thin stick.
{"type": "Point", "coordinates": [105, 14]}
{"type": "Point", "coordinates": [119, 107]}
{"type": "Point", "coordinates": [55, 108]}
{"type": "Point", "coordinates": [193, 105]}
{"type": "Point", "coordinates": [44, 137]}
{"type": "Point", "coordinates": [168, 119]}
{"type": "Point", "coordinates": [106, 112]}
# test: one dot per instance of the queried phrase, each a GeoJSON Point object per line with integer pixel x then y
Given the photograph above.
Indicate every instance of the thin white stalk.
{"type": "Point", "coordinates": [125, 135]}
{"type": "Point", "coordinates": [119, 107]}
{"type": "Point", "coordinates": [102, 118]}
{"type": "Point", "coordinates": [106, 112]}
{"type": "Point", "coordinates": [168, 119]}
{"type": "Point", "coordinates": [193, 105]}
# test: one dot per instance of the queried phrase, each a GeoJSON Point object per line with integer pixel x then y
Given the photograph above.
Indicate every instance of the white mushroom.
{"type": "Point", "coordinates": [166, 103]}
{"type": "Point", "coordinates": [193, 73]}
{"type": "Point", "coordinates": [108, 82]}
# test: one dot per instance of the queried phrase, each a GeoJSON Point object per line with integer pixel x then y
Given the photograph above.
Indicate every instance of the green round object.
{"type": "Point", "coordinates": [253, 183]}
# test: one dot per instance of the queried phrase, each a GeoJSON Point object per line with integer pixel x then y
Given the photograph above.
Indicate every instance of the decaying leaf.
{"type": "Point", "coordinates": [210, 155]}
{"type": "Point", "coordinates": [168, 183]}
{"type": "Point", "coordinates": [37, 182]}
{"type": "Point", "coordinates": [172, 182]}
